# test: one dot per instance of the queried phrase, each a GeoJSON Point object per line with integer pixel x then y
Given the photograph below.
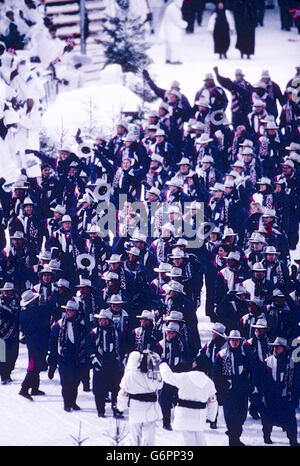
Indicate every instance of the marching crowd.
{"type": "Point", "coordinates": [96, 299]}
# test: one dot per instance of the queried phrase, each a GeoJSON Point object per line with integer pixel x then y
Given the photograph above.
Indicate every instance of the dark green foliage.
{"type": "Point", "coordinates": [124, 43]}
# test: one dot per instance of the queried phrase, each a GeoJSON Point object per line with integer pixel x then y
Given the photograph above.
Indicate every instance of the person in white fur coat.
{"type": "Point", "coordinates": [196, 402]}
{"type": "Point", "coordinates": [171, 31]}
{"type": "Point", "coordinates": [138, 391]}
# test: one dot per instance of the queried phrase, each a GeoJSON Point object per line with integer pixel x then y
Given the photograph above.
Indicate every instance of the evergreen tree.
{"type": "Point", "coordinates": [124, 43]}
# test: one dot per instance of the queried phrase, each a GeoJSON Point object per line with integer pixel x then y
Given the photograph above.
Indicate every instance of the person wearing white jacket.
{"type": "Point", "coordinates": [27, 136]}
{"type": "Point", "coordinates": [196, 402]}
{"type": "Point", "coordinates": [138, 391]}
{"type": "Point", "coordinates": [171, 31]}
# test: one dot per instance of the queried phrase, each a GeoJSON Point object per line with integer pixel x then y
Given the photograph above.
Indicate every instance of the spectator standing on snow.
{"type": "Point", "coordinates": [221, 25]}
{"type": "Point", "coordinates": [245, 22]}
{"type": "Point", "coordinates": [171, 31]}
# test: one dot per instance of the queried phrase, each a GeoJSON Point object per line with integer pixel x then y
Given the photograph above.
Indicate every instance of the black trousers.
{"type": "Point", "coordinates": [285, 18]}
{"type": "Point", "coordinates": [104, 382]}
{"type": "Point", "coordinates": [85, 377]}
{"type": "Point", "coordinates": [167, 399]}
{"type": "Point", "coordinates": [70, 380]}
{"type": "Point", "coordinates": [282, 415]}
{"type": "Point", "coordinates": [188, 13]}
{"type": "Point", "coordinates": [32, 380]}
{"type": "Point", "coordinates": [260, 12]}
{"type": "Point", "coordinates": [37, 364]}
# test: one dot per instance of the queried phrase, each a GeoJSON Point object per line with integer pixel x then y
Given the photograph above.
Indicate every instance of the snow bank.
{"type": "Point", "coordinates": [92, 109]}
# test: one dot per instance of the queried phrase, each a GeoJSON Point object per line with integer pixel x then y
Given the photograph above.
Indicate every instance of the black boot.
{"type": "Point", "coordinates": [293, 439]}
{"type": "Point", "coordinates": [167, 427]}
{"type": "Point", "coordinates": [100, 405]}
{"type": "Point", "coordinates": [75, 407]}
{"type": "Point", "coordinates": [6, 381]}
{"type": "Point", "coordinates": [267, 439]}
{"type": "Point", "coordinates": [37, 392]}
{"type": "Point", "coordinates": [25, 394]}
{"type": "Point", "coordinates": [235, 441]}
{"type": "Point", "coordinates": [117, 414]}
{"type": "Point", "coordinates": [254, 413]}
{"type": "Point", "coordinates": [213, 424]}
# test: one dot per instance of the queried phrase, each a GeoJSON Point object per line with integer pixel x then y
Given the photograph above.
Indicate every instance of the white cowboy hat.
{"type": "Point", "coordinates": [280, 341]}
{"type": "Point", "coordinates": [235, 334]}
{"type": "Point", "coordinates": [174, 286]}
{"type": "Point", "coordinates": [175, 315]}
{"type": "Point", "coordinates": [258, 267]}
{"type": "Point", "coordinates": [219, 329]}
{"type": "Point", "coordinates": [163, 267]}
{"type": "Point", "coordinates": [104, 314]}
{"type": "Point", "coordinates": [63, 283]}
{"type": "Point", "coordinates": [261, 323]}
{"type": "Point", "coordinates": [84, 283]}
{"type": "Point", "coordinates": [8, 286]}
{"type": "Point", "coordinates": [146, 315]}
{"type": "Point", "coordinates": [59, 209]}
{"type": "Point", "coordinates": [28, 297]}
{"type": "Point", "coordinates": [114, 259]}
{"type": "Point", "coordinates": [172, 327]}
{"type": "Point", "coordinates": [71, 304]}
{"type": "Point", "coordinates": [116, 299]}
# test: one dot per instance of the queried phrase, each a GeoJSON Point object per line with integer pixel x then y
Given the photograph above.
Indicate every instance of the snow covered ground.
{"type": "Point", "coordinates": [43, 422]}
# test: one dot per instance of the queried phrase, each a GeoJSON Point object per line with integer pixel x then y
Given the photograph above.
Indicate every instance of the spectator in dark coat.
{"type": "Point", "coordinates": [188, 13]}
{"type": "Point", "coordinates": [245, 22]}
{"type": "Point", "coordinates": [259, 6]}
{"type": "Point", "coordinates": [35, 325]}
{"type": "Point", "coordinates": [285, 17]}
{"type": "Point", "coordinates": [221, 24]}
